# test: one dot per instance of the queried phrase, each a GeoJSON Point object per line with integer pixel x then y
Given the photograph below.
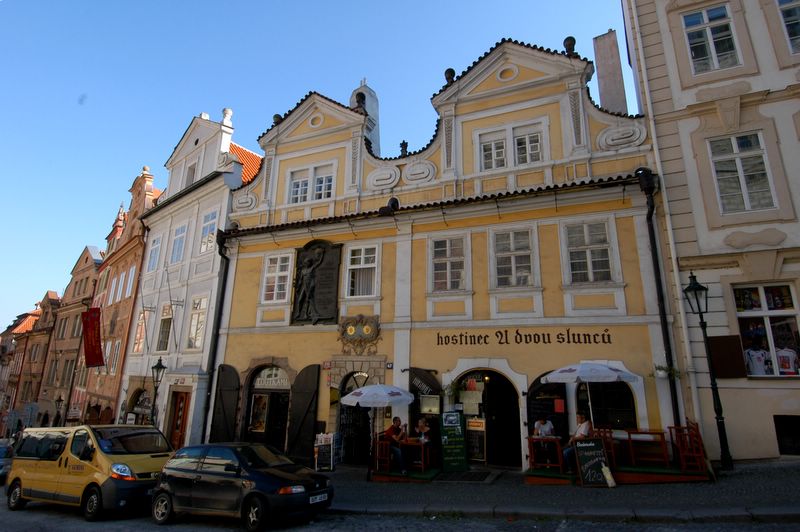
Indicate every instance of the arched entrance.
{"type": "Point", "coordinates": [268, 407]}
{"type": "Point", "coordinates": [550, 401]}
{"type": "Point", "coordinates": [354, 422]}
{"type": "Point", "coordinates": [489, 395]}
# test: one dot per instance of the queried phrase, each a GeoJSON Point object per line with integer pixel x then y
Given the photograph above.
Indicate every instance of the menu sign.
{"type": "Point", "coordinates": [591, 459]}
{"type": "Point", "coordinates": [454, 451]}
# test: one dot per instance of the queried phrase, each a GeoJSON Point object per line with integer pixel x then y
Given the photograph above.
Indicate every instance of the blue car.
{"type": "Point", "coordinates": [250, 481]}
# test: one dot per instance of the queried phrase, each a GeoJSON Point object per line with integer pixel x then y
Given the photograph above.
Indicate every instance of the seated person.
{"type": "Point", "coordinates": [582, 431]}
{"type": "Point", "coordinates": [395, 434]}
{"type": "Point", "coordinates": [543, 427]}
{"type": "Point", "coordinates": [422, 430]}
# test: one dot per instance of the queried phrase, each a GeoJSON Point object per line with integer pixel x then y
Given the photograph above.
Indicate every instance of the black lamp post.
{"type": "Point", "coordinates": [158, 374]}
{"type": "Point", "coordinates": [697, 297]}
{"type": "Point", "coordinates": [59, 403]}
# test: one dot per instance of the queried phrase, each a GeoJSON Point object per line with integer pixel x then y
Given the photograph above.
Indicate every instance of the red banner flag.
{"type": "Point", "coordinates": [92, 349]}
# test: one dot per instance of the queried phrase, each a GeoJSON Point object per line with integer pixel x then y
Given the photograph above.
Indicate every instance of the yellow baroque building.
{"type": "Point", "coordinates": [514, 243]}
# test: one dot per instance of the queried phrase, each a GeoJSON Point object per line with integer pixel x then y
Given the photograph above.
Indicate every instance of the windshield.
{"type": "Point", "coordinates": [260, 456]}
{"type": "Point", "coordinates": [131, 440]}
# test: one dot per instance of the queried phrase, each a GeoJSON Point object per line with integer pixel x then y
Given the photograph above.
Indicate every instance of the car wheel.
{"type": "Point", "coordinates": [15, 500]}
{"type": "Point", "coordinates": [254, 513]}
{"type": "Point", "coordinates": [162, 508]}
{"type": "Point", "coordinates": [92, 504]}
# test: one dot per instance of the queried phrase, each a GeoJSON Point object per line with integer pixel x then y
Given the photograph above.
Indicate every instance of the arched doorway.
{"type": "Point", "coordinates": [489, 395]}
{"type": "Point", "coordinates": [354, 422]}
{"type": "Point", "coordinates": [268, 407]}
{"type": "Point", "coordinates": [548, 400]}
{"type": "Point", "coordinates": [613, 404]}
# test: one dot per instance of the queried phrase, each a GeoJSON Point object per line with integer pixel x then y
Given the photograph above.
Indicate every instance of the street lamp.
{"type": "Point", "coordinates": [59, 403]}
{"type": "Point", "coordinates": [697, 297]}
{"type": "Point", "coordinates": [158, 374]}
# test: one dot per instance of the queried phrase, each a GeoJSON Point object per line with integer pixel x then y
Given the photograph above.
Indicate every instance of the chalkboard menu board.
{"type": "Point", "coordinates": [591, 459]}
{"type": "Point", "coordinates": [324, 452]}
{"type": "Point", "coordinates": [454, 451]}
{"type": "Point", "coordinates": [476, 440]}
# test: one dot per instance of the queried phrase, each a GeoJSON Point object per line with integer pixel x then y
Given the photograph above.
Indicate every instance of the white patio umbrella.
{"type": "Point", "coordinates": [589, 372]}
{"type": "Point", "coordinates": [376, 396]}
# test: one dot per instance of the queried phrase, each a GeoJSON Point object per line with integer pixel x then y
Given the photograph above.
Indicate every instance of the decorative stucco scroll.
{"type": "Point", "coordinates": [419, 172]}
{"type": "Point", "coordinates": [615, 138]}
{"type": "Point", "coordinates": [383, 177]}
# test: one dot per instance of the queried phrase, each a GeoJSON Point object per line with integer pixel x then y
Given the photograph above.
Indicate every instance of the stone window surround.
{"type": "Point", "coordinates": [751, 121]}
{"type": "Point", "coordinates": [777, 32]}
{"type": "Point", "coordinates": [675, 11]}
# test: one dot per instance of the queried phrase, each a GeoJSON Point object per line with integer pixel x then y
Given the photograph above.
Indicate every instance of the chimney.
{"type": "Point", "coordinates": [609, 73]}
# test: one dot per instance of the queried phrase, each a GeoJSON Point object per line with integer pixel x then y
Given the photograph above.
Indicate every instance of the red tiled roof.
{"type": "Point", "coordinates": [26, 325]}
{"type": "Point", "coordinates": [251, 162]}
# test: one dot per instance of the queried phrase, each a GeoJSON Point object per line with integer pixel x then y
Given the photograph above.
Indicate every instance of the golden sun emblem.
{"type": "Point", "coordinates": [367, 329]}
{"type": "Point", "coordinates": [351, 330]}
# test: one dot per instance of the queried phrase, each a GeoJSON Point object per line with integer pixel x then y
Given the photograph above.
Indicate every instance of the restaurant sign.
{"type": "Point", "coordinates": [273, 378]}
{"type": "Point", "coordinates": [565, 336]}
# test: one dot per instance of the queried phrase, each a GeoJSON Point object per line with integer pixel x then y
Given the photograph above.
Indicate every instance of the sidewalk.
{"type": "Point", "coordinates": [759, 491]}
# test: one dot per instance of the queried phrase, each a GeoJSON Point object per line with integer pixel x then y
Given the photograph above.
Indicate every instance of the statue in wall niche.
{"type": "Point", "coordinates": [315, 289]}
{"type": "Point", "coordinates": [306, 305]}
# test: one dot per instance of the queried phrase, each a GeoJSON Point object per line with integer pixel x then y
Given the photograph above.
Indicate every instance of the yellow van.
{"type": "Point", "coordinates": [95, 467]}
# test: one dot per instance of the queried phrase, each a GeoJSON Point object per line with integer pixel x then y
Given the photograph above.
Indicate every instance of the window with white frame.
{"type": "Point", "coordinates": [741, 174]}
{"type": "Point", "coordinates": [106, 353]}
{"type": "Point", "coordinates": [767, 316]}
{"type": "Point", "coordinates": [112, 367]}
{"type": "Point", "coordinates": [323, 182]}
{"type": "Point", "coordinates": [527, 145]}
{"type": "Point", "coordinates": [83, 376]}
{"type": "Point", "coordinates": [164, 328]}
{"type": "Point", "coordinates": [155, 251]}
{"type": "Point", "coordinates": [131, 277]}
{"type": "Point", "coordinates": [311, 183]}
{"type": "Point", "coordinates": [790, 11]}
{"type": "Point", "coordinates": [362, 269]}
{"type": "Point", "coordinates": [448, 264]}
{"type": "Point", "coordinates": [513, 258]}
{"type": "Point", "coordinates": [589, 250]}
{"type": "Point", "coordinates": [208, 232]}
{"type": "Point", "coordinates": [710, 39]}
{"type": "Point", "coordinates": [138, 336]}
{"type": "Point", "coordinates": [298, 186]}
{"type": "Point", "coordinates": [178, 240]}
{"type": "Point", "coordinates": [77, 326]}
{"type": "Point", "coordinates": [191, 171]}
{"type": "Point", "coordinates": [35, 352]}
{"type": "Point", "coordinates": [61, 331]}
{"type": "Point", "coordinates": [276, 279]}
{"type": "Point", "coordinates": [120, 286]}
{"type": "Point", "coordinates": [493, 150]}
{"type": "Point", "coordinates": [103, 282]}
{"type": "Point", "coordinates": [197, 323]}
{"type": "Point", "coordinates": [111, 291]}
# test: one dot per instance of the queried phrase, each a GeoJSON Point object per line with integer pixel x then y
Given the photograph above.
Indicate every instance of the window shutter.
{"type": "Point", "coordinates": [727, 357]}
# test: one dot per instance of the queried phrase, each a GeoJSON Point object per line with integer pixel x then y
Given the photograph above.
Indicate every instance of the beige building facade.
{"type": "Point", "coordinates": [719, 81]}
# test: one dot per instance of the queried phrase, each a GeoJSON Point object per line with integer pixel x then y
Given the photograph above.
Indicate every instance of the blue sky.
{"type": "Point", "coordinates": [94, 89]}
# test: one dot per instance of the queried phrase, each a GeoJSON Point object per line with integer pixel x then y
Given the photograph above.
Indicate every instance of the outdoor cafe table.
{"type": "Point", "coordinates": [416, 448]}
{"type": "Point", "coordinates": [540, 451]}
{"type": "Point", "coordinates": [648, 447]}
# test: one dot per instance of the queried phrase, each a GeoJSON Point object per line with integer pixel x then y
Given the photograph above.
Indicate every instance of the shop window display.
{"type": "Point", "coordinates": [767, 317]}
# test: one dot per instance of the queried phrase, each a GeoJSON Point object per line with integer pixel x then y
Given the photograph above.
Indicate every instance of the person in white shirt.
{"type": "Point", "coordinates": [583, 431]}
{"type": "Point", "coordinates": [787, 361]}
{"type": "Point", "coordinates": [543, 427]}
{"type": "Point", "coordinates": [756, 358]}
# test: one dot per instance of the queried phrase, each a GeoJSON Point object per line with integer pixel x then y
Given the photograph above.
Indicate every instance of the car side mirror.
{"type": "Point", "coordinates": [233, 468]}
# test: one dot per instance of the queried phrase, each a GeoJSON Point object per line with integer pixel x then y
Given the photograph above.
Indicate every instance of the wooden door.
{"type": "Point", "coordinates": [177, 427]}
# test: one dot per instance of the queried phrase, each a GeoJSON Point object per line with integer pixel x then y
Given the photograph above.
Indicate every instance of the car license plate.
{"type": "Point", "coordinates": [318, 498]}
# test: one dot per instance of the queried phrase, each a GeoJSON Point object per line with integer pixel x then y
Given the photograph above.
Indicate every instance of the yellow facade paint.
{"type": "Point", "coordinates": [515, 304]}
{"type": "Point", "coordinates": [594, 301]}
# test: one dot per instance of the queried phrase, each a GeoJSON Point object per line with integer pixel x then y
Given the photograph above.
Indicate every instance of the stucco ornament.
{"type": "Point", "coordinates": [419, 172]}
{"type": "Point", "coordinates": [359, 335]}
{"type": "Point", "coordinates": [743, 239]}
{"type": "Point", "coordinates": [615, 138]}
{"type": "Point", "coordinates": [383, 177]}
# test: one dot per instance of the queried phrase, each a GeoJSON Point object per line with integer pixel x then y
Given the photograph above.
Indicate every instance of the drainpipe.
{"type": "Point", "coordinates": [212, 356]}
{"type": "Point", "coordinates": [676, 272]}
{"type": "Point", "coordinates": [647, 182]}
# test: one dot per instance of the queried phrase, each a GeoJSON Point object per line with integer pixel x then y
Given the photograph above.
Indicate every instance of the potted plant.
{"type": "Point", "coordinates": [663, 372]}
